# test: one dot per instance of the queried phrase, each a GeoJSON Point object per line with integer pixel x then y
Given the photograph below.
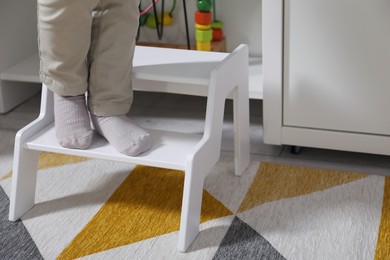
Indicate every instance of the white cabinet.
{"type": "Point", "coordinates": [18, 41]}
{"type": "Point", "coordinates": [327, 74]}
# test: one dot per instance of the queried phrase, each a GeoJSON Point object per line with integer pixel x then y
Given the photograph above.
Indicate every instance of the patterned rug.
{"type": "Point", "coordinates": [95, 209]}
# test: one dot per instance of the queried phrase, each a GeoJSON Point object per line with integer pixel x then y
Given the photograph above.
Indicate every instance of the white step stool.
{"type": "Point", "coordinates": [219, 73]}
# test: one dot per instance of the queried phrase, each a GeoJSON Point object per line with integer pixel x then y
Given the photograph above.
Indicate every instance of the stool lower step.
{"type": "Point", "coordinates": [169, 149]}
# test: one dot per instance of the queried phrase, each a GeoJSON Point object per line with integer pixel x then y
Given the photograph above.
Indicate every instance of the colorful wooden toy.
{"type": "Point", "coordinates": [151, 21]}
{"type": "Point", "coordinates": [203, 30]}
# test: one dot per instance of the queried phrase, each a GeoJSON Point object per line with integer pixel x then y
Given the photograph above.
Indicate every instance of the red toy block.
{"type": "Point", "coordinates": [217, 34]}
{"type": "Point", "coordinates": [203, 17]}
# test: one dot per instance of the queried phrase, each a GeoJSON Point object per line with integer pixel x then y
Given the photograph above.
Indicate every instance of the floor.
{"type": "Point", "coordinates": [186, 114]}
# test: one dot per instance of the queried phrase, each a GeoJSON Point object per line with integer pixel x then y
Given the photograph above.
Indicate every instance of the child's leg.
{"type": "Point", "coordinates": [110, 91]}
{"type": "Point", "coordinates": [64, 28]}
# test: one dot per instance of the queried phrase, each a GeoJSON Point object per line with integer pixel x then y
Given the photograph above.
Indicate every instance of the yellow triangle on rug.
{"type": "Point", "coordinates": [275, 181]}
{"type": "Point", "coordinates": [147, 204]}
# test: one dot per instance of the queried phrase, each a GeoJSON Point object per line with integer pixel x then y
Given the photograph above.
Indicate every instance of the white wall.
{"type": "Point", "coordinates": [242, 19]}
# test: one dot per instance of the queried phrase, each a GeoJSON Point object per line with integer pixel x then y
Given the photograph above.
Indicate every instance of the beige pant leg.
{"type": "Point", "coordinates": [64, 28]}
{"type": "Point", "coordinates": [110, 59]}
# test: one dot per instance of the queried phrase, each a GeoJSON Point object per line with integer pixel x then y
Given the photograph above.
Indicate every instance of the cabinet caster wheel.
{"type": "Point", "coordinates": [295, 149]}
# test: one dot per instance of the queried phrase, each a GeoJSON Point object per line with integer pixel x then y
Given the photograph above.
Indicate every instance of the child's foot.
{"type": "Point", "coordinates": [125, 136]}
{"type": "Point", "coordinates": [72, 123]}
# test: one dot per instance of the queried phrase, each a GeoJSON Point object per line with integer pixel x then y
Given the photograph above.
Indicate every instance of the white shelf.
{"type": "Point", "coordinates": [28, 71]}
{"type": "Point", "coordinates": [25, 71]}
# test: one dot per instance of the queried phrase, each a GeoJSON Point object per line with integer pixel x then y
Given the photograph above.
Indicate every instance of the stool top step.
{"type": "Point", "coordinates": [170, 149]}
{"type": "Point", "coordinates": [175, 65]}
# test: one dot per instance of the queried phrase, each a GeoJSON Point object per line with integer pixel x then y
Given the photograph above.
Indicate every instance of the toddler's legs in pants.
{"type": "Point", "coordinates": [83, 52]}
{"type": "Point", "coordinates": [64, 38]}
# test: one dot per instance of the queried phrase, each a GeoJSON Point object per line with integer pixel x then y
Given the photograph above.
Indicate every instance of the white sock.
{"type": "Point", "coordinates": [72, 123]}
{"type": "Point", "coordinates": [125, 136]}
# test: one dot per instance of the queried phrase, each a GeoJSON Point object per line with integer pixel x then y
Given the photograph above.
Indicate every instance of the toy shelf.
{"type": "Point", "coordinates": [28, 70]}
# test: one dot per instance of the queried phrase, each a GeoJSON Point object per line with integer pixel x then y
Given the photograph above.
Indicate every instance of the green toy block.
{"type": "Point", "coordinates": [203, 35]}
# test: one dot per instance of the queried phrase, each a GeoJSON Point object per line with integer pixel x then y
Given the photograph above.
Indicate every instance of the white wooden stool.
{"type": "Point", "coordinates": [217, 75]}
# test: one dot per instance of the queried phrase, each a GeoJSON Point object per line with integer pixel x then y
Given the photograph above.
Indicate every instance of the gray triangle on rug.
{"type": "Point", "coordinates": [243, 242]}
{"type": "Point", "coordinates": [15, 241]}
